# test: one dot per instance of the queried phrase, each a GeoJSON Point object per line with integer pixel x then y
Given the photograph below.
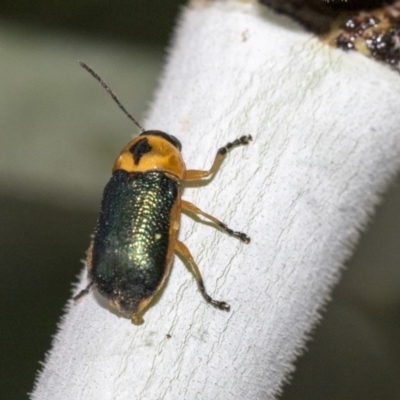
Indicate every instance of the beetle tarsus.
{"type": "Point", "coordinates": [238, 142]}
{"type": "Point", "coordinates": [222, 305]}
{"type": "Point", "coordinates": [239, 235]}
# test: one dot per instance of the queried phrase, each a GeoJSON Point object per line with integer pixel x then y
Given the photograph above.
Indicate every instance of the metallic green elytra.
{"type": "Point", "coordinates": [131, 238]}
{"type": "Point", "coordinates": [135, 238]}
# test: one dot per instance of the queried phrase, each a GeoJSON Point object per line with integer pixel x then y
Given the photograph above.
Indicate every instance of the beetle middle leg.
{"type": "Point", "coordinates": [185, 253]}
{"type": "Point", "coordinates": [186, 205]}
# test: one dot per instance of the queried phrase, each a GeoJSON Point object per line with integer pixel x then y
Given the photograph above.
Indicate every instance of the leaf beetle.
{"type": "Point", "coordinates": [130, 256]}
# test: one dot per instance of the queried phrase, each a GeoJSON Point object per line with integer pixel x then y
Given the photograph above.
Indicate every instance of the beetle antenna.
{"type": "Point", "coordinates": [111, 93]}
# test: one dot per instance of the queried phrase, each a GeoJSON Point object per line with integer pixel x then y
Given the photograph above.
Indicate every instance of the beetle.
{"type": "Point", "coordinates": [130, 256]}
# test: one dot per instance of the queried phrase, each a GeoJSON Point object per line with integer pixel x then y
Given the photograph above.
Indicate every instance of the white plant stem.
{"type": "Point", "coordinates": [326, 132]}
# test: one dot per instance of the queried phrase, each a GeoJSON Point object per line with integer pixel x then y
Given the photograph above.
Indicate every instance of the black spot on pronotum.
{"type": "Point", "coordinates": [138, 149]}
{"type": "Point", "coordinates": [169, 138]}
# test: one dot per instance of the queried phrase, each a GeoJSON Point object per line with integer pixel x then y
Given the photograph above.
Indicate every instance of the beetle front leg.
{"type": "Point", "coordinates": [185, 253]}
{"type": "Point", "coordinates": [195, 174]}
{"type": "Point", "coordinates": [192, 208]}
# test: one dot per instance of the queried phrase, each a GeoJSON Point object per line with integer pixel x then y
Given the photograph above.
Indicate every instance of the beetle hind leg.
{"type": "Point", "coordinates": [86, 291]}
{"type": "Point", "coordinates": [221, 305]}
{"type": "Point", "coordinates": [186, 205]}
{"type": "Point", "coordinates": [83, 292]}
{"type": "Point", "coordinates": [185, 253]}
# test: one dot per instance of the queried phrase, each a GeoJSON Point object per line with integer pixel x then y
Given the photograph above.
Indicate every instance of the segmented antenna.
{"type": "Point", "coordinates": [111, 93]}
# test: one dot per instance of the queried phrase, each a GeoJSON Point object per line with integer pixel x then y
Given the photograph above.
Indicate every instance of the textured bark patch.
{"type": "Point", "coordinates": [375, 33]}
{"type": "Point", "coordinates": [319, 15]}
{"type": "Point", "coordinates": [370, 27]}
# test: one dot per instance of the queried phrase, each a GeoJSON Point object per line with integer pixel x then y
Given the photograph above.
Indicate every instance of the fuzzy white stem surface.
{"type": "Point", "coordinates": [326, 132]}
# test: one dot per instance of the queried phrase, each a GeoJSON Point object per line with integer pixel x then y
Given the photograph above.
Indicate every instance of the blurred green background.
{"type": "Point", "coordinates": [60, 133]}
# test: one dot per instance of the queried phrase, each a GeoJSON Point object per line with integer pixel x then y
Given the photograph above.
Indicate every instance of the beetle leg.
{"type": "Point", "coordinates": [86, 291]}
{"type": "Point", "coordinates": [185, 253]}
{"type": "Point", "coordinates": [83, 292]}
{"type": "Point", "coordinates": [192, 208]}
{"type": "Point", "coordinates": [194, 174]}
